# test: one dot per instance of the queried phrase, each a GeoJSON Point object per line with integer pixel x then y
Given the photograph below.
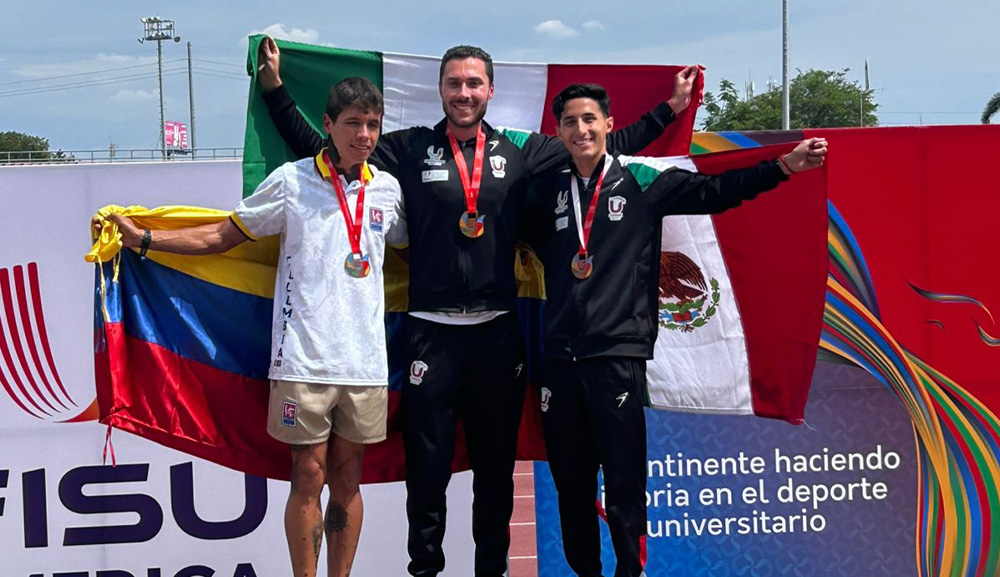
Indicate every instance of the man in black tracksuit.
{"type": "Point", "coordinates": [600, 318]}
{"type": "Point", "coordinates": [466, 349]}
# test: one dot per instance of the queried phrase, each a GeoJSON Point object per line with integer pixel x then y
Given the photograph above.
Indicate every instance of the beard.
{"type": "Point", "coordinates": [478, 114]}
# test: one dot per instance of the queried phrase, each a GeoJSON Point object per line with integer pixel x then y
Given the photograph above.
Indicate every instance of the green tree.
{"type": "Point", "coordinates": [992, 107]}
{"type": "Point", "coordinates": [21, 147]}
{"type": "Point", "coordinates": [819, 99]}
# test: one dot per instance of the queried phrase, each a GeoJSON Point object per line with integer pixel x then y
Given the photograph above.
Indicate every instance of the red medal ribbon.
{"type": "Point", "coordinates": [471, 188]}
{"type": "Point", "coordinates": [584, 231]}
{"type": "Point", "coordinates": [353, 226]}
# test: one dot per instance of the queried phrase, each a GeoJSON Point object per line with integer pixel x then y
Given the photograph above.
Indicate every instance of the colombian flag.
{"type": "Point", "coordinates": [183, 347]}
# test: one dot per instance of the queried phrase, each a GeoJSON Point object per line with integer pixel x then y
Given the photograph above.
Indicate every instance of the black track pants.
{"type": "Point", "coordinates": [593, 417]}
{"type": "Point", "coordinates": [474, 373]}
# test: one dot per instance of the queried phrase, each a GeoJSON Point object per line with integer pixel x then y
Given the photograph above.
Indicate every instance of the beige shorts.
{"type": "Point", "coordinates": [306, 413]}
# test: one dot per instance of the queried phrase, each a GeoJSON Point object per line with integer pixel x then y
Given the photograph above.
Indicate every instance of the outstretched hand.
{"type": "Point", "coordinates": [268, 61]}
{"type": "Point", "coordinates": [683, 87]}
{"type": "Point", "coordinates": [131, 235]}
{"type": "Point", "coordinates": [809, 154]}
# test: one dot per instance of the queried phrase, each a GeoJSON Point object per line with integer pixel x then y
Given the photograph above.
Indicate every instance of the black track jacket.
{"type": "Point", "coordinates": [614, 311]}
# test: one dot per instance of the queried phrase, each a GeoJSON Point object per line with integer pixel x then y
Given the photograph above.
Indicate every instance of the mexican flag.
{"type": "Point", "coordinates": [746, 344]}
{"type": "Point", "coordinates": [409, 84]}
{"type": "Point", "coordinates": [740, 295]}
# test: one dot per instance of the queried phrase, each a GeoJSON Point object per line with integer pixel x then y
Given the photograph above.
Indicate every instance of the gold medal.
{"type": "Point", "coordinates": [471, 224]}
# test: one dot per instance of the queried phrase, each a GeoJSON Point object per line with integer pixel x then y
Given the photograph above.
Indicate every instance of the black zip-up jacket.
{"type": "Point", "coordinates": [614, 311]}
{"type": "Point", "coordinates": [448, 271]}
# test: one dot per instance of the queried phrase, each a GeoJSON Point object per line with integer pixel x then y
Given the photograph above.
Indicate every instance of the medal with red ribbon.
{"type": "Point", "coordinates": [471, 222]}
{"type": "Point", "coordinates": [582, 264]}
{"type": "Point", "coordinates": [356, 264]}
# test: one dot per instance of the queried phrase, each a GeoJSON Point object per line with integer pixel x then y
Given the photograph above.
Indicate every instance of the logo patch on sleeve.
{"type": "Point", "coordinates": [288, 410]}
{"type": "Point", "coordinates": [375, 217]}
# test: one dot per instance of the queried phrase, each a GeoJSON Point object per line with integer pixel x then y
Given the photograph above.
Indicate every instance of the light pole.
{"type": "Point", "coordinates": [194, 141]}
{"type": "Point", "coordinates": [159, 30]}
{"type": "Point", "coordinates": [785, 105]}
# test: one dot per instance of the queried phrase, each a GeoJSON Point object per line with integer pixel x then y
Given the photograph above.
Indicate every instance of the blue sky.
{"type": "Point", "coordinates": [931, 62]}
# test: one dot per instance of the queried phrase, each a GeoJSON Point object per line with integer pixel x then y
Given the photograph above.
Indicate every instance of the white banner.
{"type": "Point", "coordinates": [158, 513]}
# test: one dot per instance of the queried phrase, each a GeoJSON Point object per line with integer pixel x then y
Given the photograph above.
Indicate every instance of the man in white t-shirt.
{"type": "Point", "coordinates": [329, 370]}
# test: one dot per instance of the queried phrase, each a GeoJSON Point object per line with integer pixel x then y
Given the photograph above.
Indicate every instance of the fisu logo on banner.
{"type": "Point", "coordinates": [29, 376]}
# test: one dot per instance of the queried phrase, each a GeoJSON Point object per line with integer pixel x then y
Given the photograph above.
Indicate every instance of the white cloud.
{"type": "Point", "coordinates": [556, 29]}
{"type": "Point", "coordinates": [593, 25]}
{"type": "Point", "coordinates": [278, 31]}
{"type": "Point", "coordinates": [135, 95]}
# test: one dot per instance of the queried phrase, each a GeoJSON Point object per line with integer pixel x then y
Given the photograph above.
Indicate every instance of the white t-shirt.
{"type": "Point", "coordinates": [328, 326]}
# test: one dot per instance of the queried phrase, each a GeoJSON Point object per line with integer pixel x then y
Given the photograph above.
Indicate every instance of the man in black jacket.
{"type": "Point", "coordinates": [463, 184]}
{"type": "Point", "coordinates": [600, 323]}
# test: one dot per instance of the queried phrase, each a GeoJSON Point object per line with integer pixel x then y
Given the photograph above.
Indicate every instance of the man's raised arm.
{"type": "Point", "coordinates": [544, 153]}
{"type": "Point", "coordinates": [677, 191]}
{"type": "Point", "coordinates": [292, 126]}
{"type": "Point", "coordinates": [296, 132]}
{"type": "Point", "coordinates": [638, 135]}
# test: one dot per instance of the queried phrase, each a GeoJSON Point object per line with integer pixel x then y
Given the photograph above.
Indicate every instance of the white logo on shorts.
{"type": "Point", "coordinates": [288, 412]}
{"type": "Point", "coordinates": [546, 395]}
{"type": "Point", "coordinates": [417, 370]}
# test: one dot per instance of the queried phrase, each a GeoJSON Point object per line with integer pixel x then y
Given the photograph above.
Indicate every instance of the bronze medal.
{"type": "Point", "coordinates": [582, 265]}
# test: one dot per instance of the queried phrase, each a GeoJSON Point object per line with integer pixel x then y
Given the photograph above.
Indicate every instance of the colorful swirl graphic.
{"type": "Point", "coordinates": [950, 298]}
{"type": "Point", "coordinates": [957, 437]}
{"type": "Point", "coordinates": [987, 338]}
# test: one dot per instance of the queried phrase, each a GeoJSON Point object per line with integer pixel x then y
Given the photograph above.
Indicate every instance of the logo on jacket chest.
{"type": "Point", "coordinates": [499, 166]}
{"type": "Point", "coordinates": [562, 202]}
{"type": "Point", "coordinates": [375, 219]}
{"type": "Point", "coordinates": [616, 208]}
{"type": "Point", "coordinates": [435, 156]}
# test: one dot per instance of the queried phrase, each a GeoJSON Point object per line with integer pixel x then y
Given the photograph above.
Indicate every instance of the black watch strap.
{"type": "Point", "coordinates": [147, 237]}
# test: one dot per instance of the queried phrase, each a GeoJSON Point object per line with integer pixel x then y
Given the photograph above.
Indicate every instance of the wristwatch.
{"type": "Point", "coordinates": [147, 237]}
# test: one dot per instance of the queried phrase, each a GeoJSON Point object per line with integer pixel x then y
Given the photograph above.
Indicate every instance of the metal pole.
{"type": "Point", "coordinates": [159, 66]}
{"type": "Point", "coordinates": [785, 105]}
{"type": "Point", "coordinates": [194, 142]}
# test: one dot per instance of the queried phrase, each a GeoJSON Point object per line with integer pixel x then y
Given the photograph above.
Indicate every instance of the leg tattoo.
{"type": "Point", "coordinates": [336, 517]}
{"type": "Point", "coordinates": [317, 537]}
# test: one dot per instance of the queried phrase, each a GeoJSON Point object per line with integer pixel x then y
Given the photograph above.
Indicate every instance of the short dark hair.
{"type": "Point", "coordinates": [595, 92]}
{"type": "Point", "coordinates": [353, 93]}
{"type": "Point", "coordinates": [461, 53]}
